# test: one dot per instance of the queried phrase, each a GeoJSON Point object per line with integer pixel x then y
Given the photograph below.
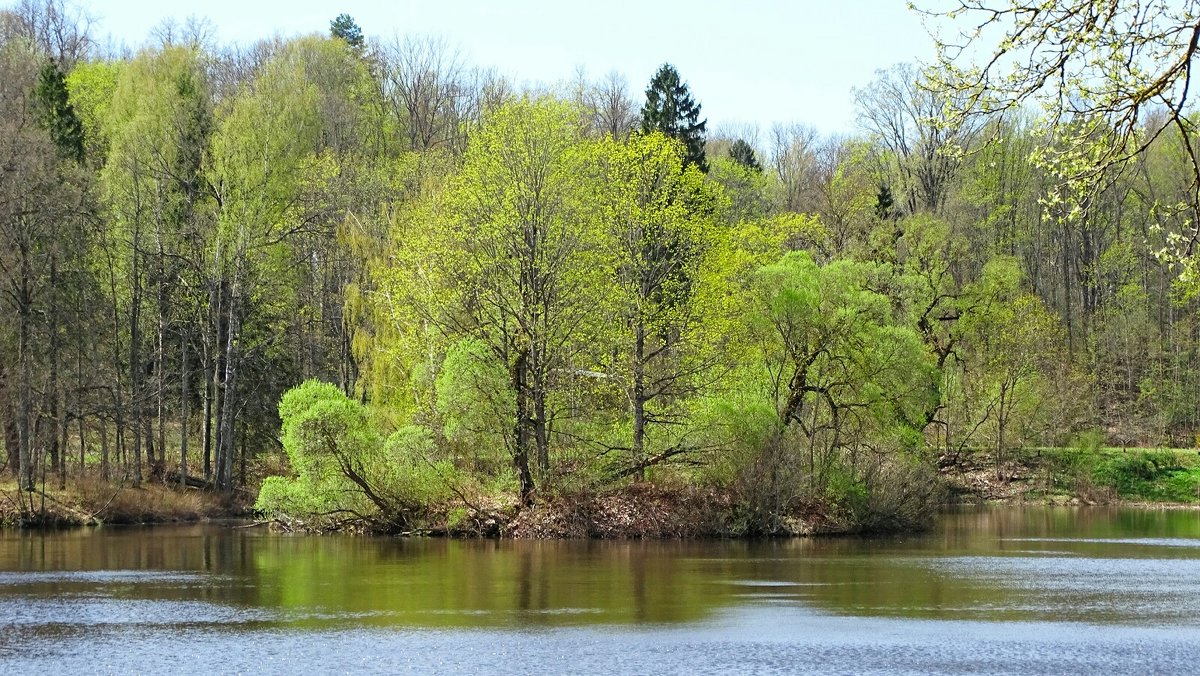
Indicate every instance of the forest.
{"type": "Point", "coordinates": [364, 283]}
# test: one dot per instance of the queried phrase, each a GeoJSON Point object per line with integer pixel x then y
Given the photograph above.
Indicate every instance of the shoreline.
{"type": "Point", "coordinates": [643, 510]}
{"type": "Point", "coordinates": [607, 516]}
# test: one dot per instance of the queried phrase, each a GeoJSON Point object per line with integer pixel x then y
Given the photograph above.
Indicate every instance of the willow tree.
{"type": "Point", "coordinates": [845, 372]}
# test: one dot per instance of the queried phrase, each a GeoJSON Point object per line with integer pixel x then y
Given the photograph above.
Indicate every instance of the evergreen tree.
{"type": "Point", "coordinates": [344, 27]}
{"type": "Point", "coordinates": [671, 110]}
{"type": "Point", "coordinates": [743, 154]}
{"type": "Point", "coordinates": [884, 203]}
{"type": "Point", "coordinates": [57, 115]}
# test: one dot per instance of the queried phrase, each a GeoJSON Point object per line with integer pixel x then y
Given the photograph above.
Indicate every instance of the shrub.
{"type": "Point", "coordinates": [343, 467]}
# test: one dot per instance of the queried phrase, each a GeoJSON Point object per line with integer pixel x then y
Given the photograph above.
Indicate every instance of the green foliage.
{"type": "Point", "coordinates": [58, 115]}
{"type": "Point", "coordinates": [530, 309]}
{"type": "Point", "coordinates": [91, 86]}
{"type": "Point", "coordinates": [750, 192]}
{"type": "Point", "coordinates": [476, 401]}
{"type": "Point", "coordinates": [670, 109]}
{"type": "Point", "coordinates": [345, 28]}
{"type": "Point", "coordinates": [1149, 475]}
{"type": "Point", "coordinates": [832, 414]}
{"type": "Point", "coordinates": [343, 467]}
{"type": "Point", "coordinates": [835, 348]}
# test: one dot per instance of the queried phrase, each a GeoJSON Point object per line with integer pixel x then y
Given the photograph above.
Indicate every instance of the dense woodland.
{"type": "Point", "coordinates": [397, 281]}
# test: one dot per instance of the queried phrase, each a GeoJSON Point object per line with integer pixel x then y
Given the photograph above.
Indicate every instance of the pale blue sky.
{"type": "Point", "coordinates": [749, 62]}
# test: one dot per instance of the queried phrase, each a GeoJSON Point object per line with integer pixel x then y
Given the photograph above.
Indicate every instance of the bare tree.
{"type": "Point", "coordinates": [905, 118]}
{"type": "Point", "coordinates": [428, 86]}
{"type": "Point", "coordinates": [57, 28]}
{"type": "Point", "coordinates": [793, 158]}
{"type": "Point", "coordinates": [613, 112]}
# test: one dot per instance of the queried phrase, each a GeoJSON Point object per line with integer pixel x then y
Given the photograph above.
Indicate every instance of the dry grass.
{"type": "Point", "coordinates": [150, 503]}
{"type": "Point", "coordinates": [89, 500]}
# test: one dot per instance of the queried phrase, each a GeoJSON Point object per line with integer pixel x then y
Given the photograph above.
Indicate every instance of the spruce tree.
{"type": "Point", "coordinates": [743, 154]}
{"type": "Point", "coordinates": [671, 110]}
{"type": "Point", "coordinates": [57, 115]}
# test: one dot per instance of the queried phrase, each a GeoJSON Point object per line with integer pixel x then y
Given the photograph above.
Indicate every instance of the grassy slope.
{"type": "Point", "coordinates": [1091, 475]}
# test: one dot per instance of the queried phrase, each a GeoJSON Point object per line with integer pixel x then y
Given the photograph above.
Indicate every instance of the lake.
{"type": "Point", "coordinates": [999, 590]}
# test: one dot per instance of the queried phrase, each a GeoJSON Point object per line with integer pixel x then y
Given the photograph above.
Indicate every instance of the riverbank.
{"type": "Point", "coordinates": [1078, 476]}
{"type": "Point", "coordinates": [1056, 476]}
{"type": "Point", "coordinates": [631, 511]}
{"type": "Point", "coordinates": [91, 501]}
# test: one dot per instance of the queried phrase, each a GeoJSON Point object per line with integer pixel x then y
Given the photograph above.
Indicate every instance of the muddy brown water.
{"type": "Point", "coordinates": [1002, 590]}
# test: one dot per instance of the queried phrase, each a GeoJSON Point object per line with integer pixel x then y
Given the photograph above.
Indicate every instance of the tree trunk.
{"type": "Point", "coordinates": [25, 442]}
{"type": "Point", "coordinates": [104, 472]}
{"type": "Point", "coordinates": [541, 432]}
{"type": "Point", "coordinates": [160, 379]}
{"type": "Point", "coordinates": [135, 380]}
{"type": "Point", "coordinates": [1001, 423]}
{"type": "Point", "coordinates": [519, 376]}
{"type": "Point", "coordinates": [184, 410]}
{"type": "Point", "coordinates": [638, 399]}
{"type": "Point", "coordinates": [57, 451]}
{"type": "Point", "coordinates": [212, 398]}
{"type": "Point", "coordinates": [225, 446]}
{"type": "Point", "coordinates": [79, 407]}
{"type": "Point", "coordinates": [12, 436]}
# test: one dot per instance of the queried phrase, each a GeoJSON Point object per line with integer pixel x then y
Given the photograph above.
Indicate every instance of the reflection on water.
{"type": "Point", "coordinates": [1034, 590]}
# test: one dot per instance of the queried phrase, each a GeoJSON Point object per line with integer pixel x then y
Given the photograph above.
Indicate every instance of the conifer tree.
{"type": "Point", "coordinates": [57, 115]}
{"type": "Point", "coordinates": [671, 110]}
{"type": "Point", "coordinates": [346, 28]}
{"type": "Point", "coordinates": [743, 154]}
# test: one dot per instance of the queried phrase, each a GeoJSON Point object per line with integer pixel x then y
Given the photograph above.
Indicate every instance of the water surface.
{"type": "Point", "coordinates": [995, 591]}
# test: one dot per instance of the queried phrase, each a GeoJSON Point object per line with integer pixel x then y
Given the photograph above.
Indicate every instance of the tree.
{"type": "Point", "coordinates": [743, 154]}
{"type": "Point", "coordinates": [42, 244]}
{"type": "Point", "coordinates": [903, 116]}
{"type": "Point", "coordinates": [612, 110]}
{"type": "Point", "coordinates": [670, 109]}
{"type": "Point", "coordinates": [509, 256]}
{"type": "Point", "coordinates": [344, 466]}
{"type": "Point", "coordinates": [653, 206]}
{"type": "Point", "coordinates": [1017, 343]}
{"type": "Point", "coordinates": [426, 85]}
{"type": "Point", "coordinates": [56, 29]}
{"type": "Point", "coordinates": [793, 158]}
{"type": "Point", "coordinates": [344, 28]}
{"type": "Point", "coordinates": [58, 116]}
{"type": "Point", "coordinates": [1109, 78]}
{"type": "Point", "coordinates": [262, 154]}
{"type": "Point", "coordinates": [844, 372]}
{"type": "Point", "coordinates": [153, 188]}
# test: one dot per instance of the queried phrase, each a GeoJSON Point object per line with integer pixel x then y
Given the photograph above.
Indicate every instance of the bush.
{"type": "Point", "coordinates": [344, 469]}
{"type": "Point", "coordinates": [866, 492]}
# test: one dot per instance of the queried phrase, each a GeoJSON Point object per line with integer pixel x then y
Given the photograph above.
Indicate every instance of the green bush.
{"type": "Point", "coordinates": [344, 469]}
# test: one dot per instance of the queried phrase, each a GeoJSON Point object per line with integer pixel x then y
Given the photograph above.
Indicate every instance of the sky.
{"type": "Point", "coordinates": [748, 63]}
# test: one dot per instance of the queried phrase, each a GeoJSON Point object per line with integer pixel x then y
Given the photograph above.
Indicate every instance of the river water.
{"type": "Point", "coordinates": [1003, 590]}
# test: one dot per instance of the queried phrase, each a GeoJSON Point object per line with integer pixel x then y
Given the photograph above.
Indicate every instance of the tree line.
{"type": "Point", "coordinates": [482, 290]}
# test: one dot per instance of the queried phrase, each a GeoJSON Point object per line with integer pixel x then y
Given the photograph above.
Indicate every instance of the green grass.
{"type": "Point", "coordinates": [1154, 476]}
{"type": "Point", "coordinates": [1142, 475]}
